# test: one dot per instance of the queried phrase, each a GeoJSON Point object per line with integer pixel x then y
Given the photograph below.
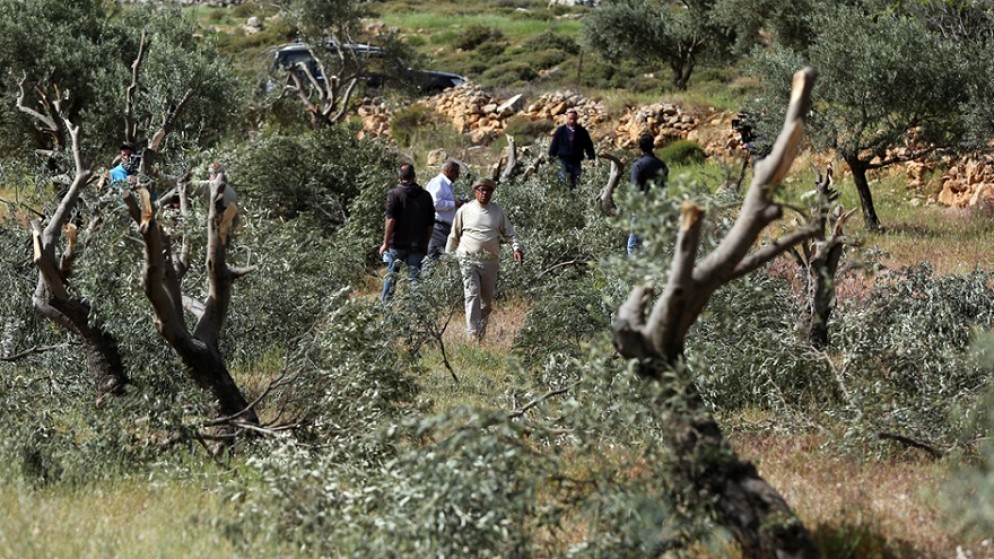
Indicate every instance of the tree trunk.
{"type": "Point", "coordinates": [858, 169]}
{"type": "Point", "coordinates": [821, 295]}
{"type": "Point", "coordinates": [161, 281]}
{"type": "Point", "coordinates": [103, 357]}
{"type": "Point", "coordinates": [744, 502]}
{"type": "Point", "coordinates": [104, 361]}
{"type": "Point", "coordinates": [759, 518]}
{"type": "Point", "coordinates": [208, 369]}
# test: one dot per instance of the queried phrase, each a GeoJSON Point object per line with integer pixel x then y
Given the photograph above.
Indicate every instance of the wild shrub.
{"type": "Point", "coordinates": [318, 173]}
{"type": "Point", "coordinates": [412, 121]}
{"type": "Point", "coordinates": [477, 35]}
{"type": "Point", "coordinates": [552, 41]}
{"type": "Point", "coordinates": [682, 152]}
{"type": "Point", "coordinates": [509, 73]}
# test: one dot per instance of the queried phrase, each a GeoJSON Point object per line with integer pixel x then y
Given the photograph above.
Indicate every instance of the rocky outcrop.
{"type": "Point", "coordinates": [375, 114]}
{"type": "Point", "coordinates": [551, 106]}
{"type": "Point", "coordinates": [665, 121]}
{"type": "Point", "coordinates": [473, 111]}
{"type": "Point", "coordinates": [969, 182]}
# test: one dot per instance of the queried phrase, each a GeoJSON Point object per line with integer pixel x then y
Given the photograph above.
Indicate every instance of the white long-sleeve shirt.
{"type": "Point", "coordinates": [440, 189]}
{"type": "Point", "coordinates": [477, 231]}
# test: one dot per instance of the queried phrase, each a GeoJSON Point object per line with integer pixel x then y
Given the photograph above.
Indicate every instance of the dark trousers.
{"type": "Point", "coordinates": [569, 173]}
{"type": "Point", "coordinates": [439, 236]}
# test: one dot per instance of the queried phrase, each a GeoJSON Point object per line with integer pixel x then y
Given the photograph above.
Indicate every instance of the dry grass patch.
{"type": "Point", "coordinates": [121, 520]}
{"type": "Point", "coordinates": [857, 508]}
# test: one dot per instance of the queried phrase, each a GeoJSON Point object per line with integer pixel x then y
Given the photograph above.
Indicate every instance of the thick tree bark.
{"type": "Point", "coordinates": [54, 260]}
{"type": "Point", "coordinates": [756, 514]}
{"type": "Point", "coordinates": [821, 293]}
{"type": "Point", "coordinates": [103, 357]}
{"type": "Point", "coordinates": [858, 169]}
{"type": "Point", "coordinates": [161, 276]}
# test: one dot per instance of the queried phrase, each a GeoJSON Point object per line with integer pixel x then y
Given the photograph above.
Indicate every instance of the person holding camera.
{"type": "Point", "coordinates": [127, 165]}
{"type": "Point", "coordinates": [446, 205]}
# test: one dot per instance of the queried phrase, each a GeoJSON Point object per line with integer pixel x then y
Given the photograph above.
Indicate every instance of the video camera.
{"type": "Point", "coordinates": [134, 164]}
{"type": "Point", "coordinates": [743, 126]}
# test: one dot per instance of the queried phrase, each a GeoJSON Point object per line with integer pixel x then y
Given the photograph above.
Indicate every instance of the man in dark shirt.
{"type": "Point", "coordinates": [646, 171]}
{"type": "Point", "coordinates": [570, 142]}
{"type": "Point", "coordinates": [408, 228]}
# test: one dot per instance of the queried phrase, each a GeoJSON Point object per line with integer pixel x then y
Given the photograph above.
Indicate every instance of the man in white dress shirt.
{"type": "Point", "coordinates": [446, 205]}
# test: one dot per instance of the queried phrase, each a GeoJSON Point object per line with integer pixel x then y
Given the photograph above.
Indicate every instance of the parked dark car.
{"type": "Point", "coordinates": [428, 82]}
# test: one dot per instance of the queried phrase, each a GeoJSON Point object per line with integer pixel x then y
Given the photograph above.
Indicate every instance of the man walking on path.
{"type": "Point", "coordinates": [646, 171]}
{"type": "Point", "coordinates": [407, 232]}
{"type": "Point", "coordinates": [477, 231]}
{"type": "Point", "coordinates": [570, 142]}
{"type": "Point", "coordinates": [446, 205]}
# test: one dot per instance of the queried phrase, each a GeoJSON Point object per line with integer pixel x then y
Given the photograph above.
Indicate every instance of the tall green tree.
{"type": "Point", "coordinates": [646, 31]}
{"type": "Point", "coordinates": [886, 81]}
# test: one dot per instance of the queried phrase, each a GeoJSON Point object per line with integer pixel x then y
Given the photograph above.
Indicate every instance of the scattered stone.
{"type": "Point", "coordinates": [436, 157]}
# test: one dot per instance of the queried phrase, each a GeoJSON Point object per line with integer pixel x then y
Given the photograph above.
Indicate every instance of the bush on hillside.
{"type": "Point", "coordinates": [476, 35]}
{"type": "Point", "coordinates": [548, 40]}
{"type": "Point", "coordinates": [526, 130]}
{"type": "Point", "coordinates": [510, 73]}
{"type": "Point", "coordinates": [412, 121]}
{"type": "Point", "coordinates": [682, 152]}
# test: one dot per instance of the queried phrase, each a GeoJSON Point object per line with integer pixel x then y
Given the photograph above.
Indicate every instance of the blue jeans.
{"type": "Point", "coordinates": [569, 173]}
{"type": "Point", "coordinates": [634, 243]}
{"type": "Point", "coordinates": [394, 258]}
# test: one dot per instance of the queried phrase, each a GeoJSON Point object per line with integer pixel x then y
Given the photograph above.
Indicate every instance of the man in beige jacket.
{"type": "Point", "coordinates": [477, 230]}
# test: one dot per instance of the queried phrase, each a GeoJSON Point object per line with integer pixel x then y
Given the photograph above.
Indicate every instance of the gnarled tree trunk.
{"type": "Point", "coordinates": [820, 260]}
{"type": "Point", "coordinates": [52, 297]}
{"type": "Point", "coordinates": [744, 502]}
{"type": "Point", "coordinates": [161, 277]}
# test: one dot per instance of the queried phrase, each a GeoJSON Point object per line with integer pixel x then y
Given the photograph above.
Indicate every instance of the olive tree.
{"type": "Point", "coordinates": [890, 90]}
{"type": "Point", "coordinates": [187, 89]}
{"type": "Point", "coordinates": [679, 33]}
{"type": "Point", "coordinates": [334, 63]}
{"type": "Point", "coordinates": [755, 512]}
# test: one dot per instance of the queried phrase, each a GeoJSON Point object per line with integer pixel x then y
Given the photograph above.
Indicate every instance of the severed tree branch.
{"type": "Point", "coordinates": [130, 126]}
{"type": "Point", "coordinates": [523, 409]}
{"type": "Point", "coordinates": [605, 200]}
{"type": "Point", "coordinates": [28, 352]}
{"type": "Point", "coordinates": [50, 123]}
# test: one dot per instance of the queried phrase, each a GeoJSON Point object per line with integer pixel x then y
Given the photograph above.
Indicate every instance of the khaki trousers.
{"type": "Point", "coordinates": [479, 280]}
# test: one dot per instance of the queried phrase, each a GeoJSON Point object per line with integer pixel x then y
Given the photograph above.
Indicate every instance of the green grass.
{"type": "Point", "coordinates": [450, 25]}
{"type": "Point", "coordinates": [123, 519]}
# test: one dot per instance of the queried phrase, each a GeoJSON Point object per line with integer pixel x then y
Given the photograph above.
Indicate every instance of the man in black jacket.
{"type": "Point", "coordinates": [646, 171]}
{"type": "Point", "coordinates": [570, 142]}
{"type": "Point", "coordinates": [407, 231]}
